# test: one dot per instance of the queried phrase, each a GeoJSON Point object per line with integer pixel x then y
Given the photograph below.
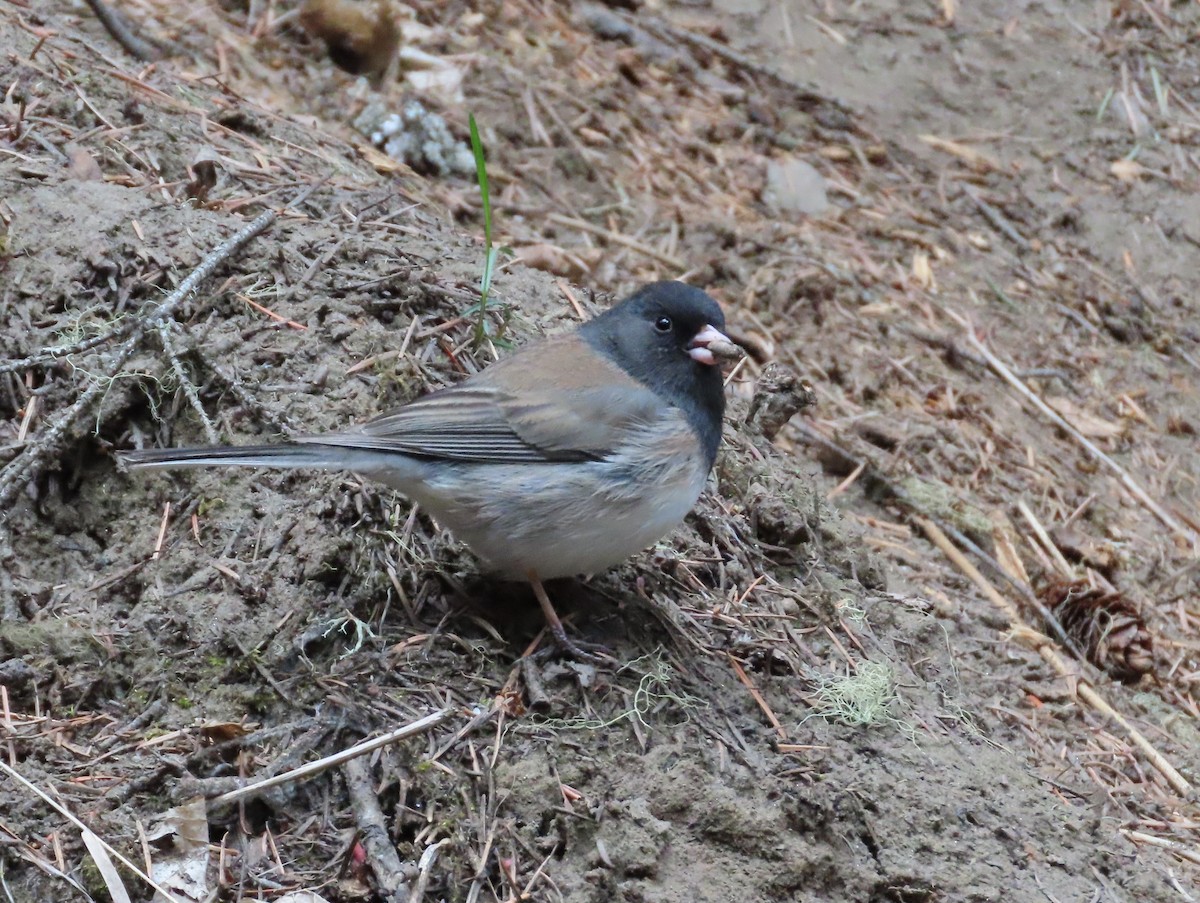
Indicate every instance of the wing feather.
{"type": "Point", "coordinates": [557, 401]}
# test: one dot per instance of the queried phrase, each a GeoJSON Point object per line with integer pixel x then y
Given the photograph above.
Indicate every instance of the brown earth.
{"type": "Point", "coordinates": [814, 703]}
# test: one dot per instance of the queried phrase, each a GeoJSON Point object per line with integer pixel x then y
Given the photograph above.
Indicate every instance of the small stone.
{"type": "Point", "coordinates": [794, 186]}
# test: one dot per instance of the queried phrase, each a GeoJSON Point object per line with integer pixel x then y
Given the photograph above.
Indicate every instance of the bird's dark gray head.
{"type": "Point", "coordinates": [659, 335]}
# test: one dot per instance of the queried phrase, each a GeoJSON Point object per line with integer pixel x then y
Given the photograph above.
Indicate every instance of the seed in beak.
{"type": "Point", "coordinates": [698, 346]}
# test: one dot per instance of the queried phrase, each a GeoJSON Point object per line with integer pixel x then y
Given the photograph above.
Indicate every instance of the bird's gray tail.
{"type": "Point", "coordinates": [314, 456]}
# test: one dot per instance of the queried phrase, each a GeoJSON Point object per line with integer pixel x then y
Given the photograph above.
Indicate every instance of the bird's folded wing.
{"type": "Point", "coordinates": [574, 407]}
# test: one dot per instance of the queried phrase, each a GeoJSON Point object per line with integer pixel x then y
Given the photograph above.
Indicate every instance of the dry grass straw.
{"type": "Point", "coordinates": [93, 841]}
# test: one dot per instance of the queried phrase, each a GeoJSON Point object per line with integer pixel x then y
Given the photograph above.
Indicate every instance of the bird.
{"type": "Point", "coordinates": [564, 458]}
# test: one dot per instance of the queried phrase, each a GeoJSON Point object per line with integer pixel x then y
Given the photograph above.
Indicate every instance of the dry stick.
{"type": "Point", "coordinates": [390, 878]}
{"type": "Point", "coordinates": [31, 457]}
{"type": "Point", "coordinates": [1032, 397]}
{"type": "Point", "coordinates": [312, 768]}
{"type": "Point", "coordinates": [617, 238]}
{"type": "Point", "coordinates": [996, 218]}
{"type": "Point", "coordinates": [1083, 689]}
{"type": "Point", "coordinates": [425, 867]}
{"type": "Point", "coordinates": [1064, 567]}
{"type": "Point", "coordinates": [65, 813]}
{"type": "Point", "coordinates": [1048, 617]}
{"type": "Point", "coordinates": [481, 718]}
{"type": "Point", "coordinates": [757, 696]}
{"type": "Point", "coordinates": [136, 46]}
{"type": "Point", "coordinates": [1165, 843]}
{"type": "Point", "coordinates": [219, 255]}
{"type": "Point", "coordinates": [53, 353]}
{"type": "Point", "coordinates": [185, 384]}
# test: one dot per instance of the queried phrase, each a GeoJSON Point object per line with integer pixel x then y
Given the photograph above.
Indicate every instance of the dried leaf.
{"type": "Point", "coordinates": [182, 832]}
{"type": "Point", "coordinates": [1127, 170]}
{"type": "Point", "coordinates": [922, 271]}
{"type": "Point", "coordinates": [446, 83]}
{"type": "Point", "coordinates": [430, 74]}
{"type": "Point", "coordinates": [221, 731]}
{"type": "Point", "coordinates": [975, 159]}
{"type": "Point", "coordinates": [362, 38]}
{"type": "Point", "coordinates": [594, 138]}
{"type": "Point", "coordinates": [206, 170]}
{"type": "Point", "coordinates": [556, 260]}
{"type": "Point", "coordinates": [1087, 423]}
{"type": "Point", "coordinates": [382, 163]}
{"type": "Point", "coordinates": [82, 165]}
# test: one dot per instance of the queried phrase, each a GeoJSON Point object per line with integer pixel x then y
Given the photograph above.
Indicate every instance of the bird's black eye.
{"type": "Point", "coordinates": [663, 324]}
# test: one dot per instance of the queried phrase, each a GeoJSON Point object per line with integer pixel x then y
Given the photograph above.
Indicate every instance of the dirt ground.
{"type": "Point", "coordinates": [974, 228]}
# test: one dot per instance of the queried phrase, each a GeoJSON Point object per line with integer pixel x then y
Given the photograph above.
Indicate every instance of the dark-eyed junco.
{"type": "Point", "coordinates": [564, 458]}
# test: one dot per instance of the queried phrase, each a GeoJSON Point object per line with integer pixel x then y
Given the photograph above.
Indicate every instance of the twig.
{"type": "Point", "coordinates": [34, 454]}
{"type": "Point", "coordinates": [617, 238]}
{"type": "Point", "coordinates": [30, 459]}
{"type": "Point", "coordinates": [480, 719]}
{"type": "Point", "coordinates": [185, 384]}
{"type": "Point", "coordinates": [996, 218]}
{"type": "Point", "coordinates": [1026, 593]}
{"type": "Point", "coordinates": [116, 26]}
{"type": "Point", "coordinates": [1163, 842]}
{"type": "Point", "coordinates": [306, 771]}
{"type": "Point", "coordinates": [390, 875]}
{"type": "Point", "coordinates": [65, 813]}
{"type": "Point", "coordinates": [425, 867]}
{"type": "Point", "coordinates": [535, 691]}
{"type": "Point", "coordinates": [1083, 690]}
{"type": "Point", "coordinates": [219, 255]}
{"type": "Point", "coordinates": [758, 696]}
{"type": "Point", "coordinates": [873, 476]}
{"type": "Point", "coordinates": [313, 768]}
{"type": "Point", "coordinates": [1064, 568]}
{"type": "Point", "coordinates": [46, 355]}
{"type": "Point", "coordinates": [1129, 482]}
{"type": "Point", "coordinates": [162, 532]}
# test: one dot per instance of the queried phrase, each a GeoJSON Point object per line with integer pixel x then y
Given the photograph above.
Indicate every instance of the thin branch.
{"type": "Point", "coordinates": [116, 25]}
{"type": "Point", "coordinates": [1134, 488]}
{"type": "Point", "coordinates": [314, 768]}
{"type": "Point", "coordinates": [28, 464]}
{"type": "Point", "coordinates": [618, 238]}
{"type": "Point", "coordinates": [391, 878]}
{"type": "Point", "coordinates": [185, 384]}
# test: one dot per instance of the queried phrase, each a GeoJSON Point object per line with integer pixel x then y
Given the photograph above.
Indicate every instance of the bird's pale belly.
{"type": "Point", "coordinates": [565, 519]}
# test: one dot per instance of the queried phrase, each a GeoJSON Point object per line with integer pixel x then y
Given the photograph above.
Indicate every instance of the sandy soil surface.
{"type": "Point", "coordinates": [934, 641]}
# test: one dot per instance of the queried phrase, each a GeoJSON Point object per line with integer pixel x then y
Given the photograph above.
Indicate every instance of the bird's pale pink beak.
{"type": "Point", "coordinates": [698, 346]}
